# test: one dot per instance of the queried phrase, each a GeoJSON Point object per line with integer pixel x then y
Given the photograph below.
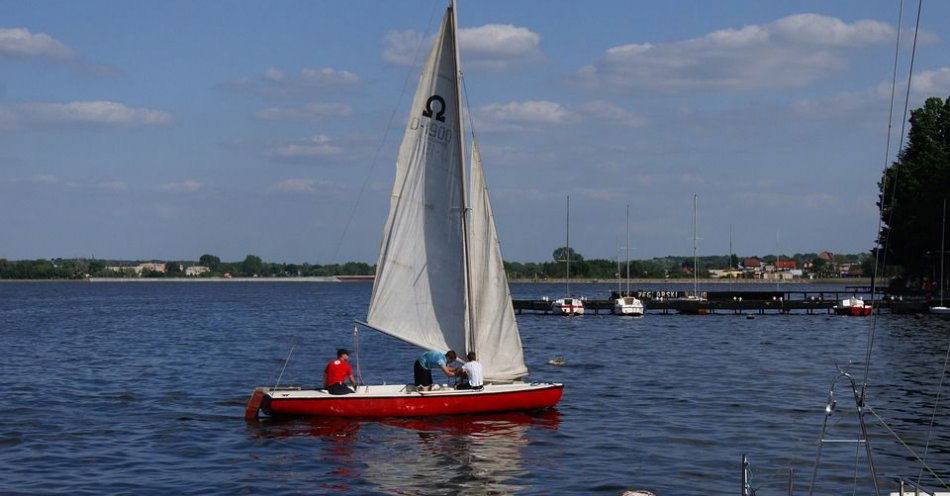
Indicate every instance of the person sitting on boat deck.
{"type": "Point", "coordinates": [337, 372]}
{"type": "Point", "coordinates": [471, 373]}
{"type": "Point", "coordinates": [422, 372]}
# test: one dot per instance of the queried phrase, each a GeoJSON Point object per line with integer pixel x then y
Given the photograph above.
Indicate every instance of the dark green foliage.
{"type": "Point", "coordinates": [561, 254]}
{"type": "Point", "coordinates": [913, 189]}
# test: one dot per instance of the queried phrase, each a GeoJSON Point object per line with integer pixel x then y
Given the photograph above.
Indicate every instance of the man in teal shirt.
{"type": "Point", "coordinates": [422, 369]}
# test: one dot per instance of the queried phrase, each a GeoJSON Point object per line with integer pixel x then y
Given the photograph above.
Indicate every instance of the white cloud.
{"type": "Point", "coordinates": [492, 46]}
{"type": "Point", "coordinates": [518, 115]}
{"type": "Point", "coordinates": [791, 52]}
{"type": "Point", "coordinates": [21, 43]}
{"type": "Point", "coordinates": [605, 194]}
{"type": "Point", "coordinates": [772, 200]}
{"type": "Point", "coordinates": [817, 29]}
{"type": "Point", "coordinates": [312, 111]}
{"type": "Point", "coordinates": [296, 185]}
{"type": "Point", "coordinates": [845, 104]}
{"type": "Point", "coordinates": [112, 185]}
{"type": "Point", "coordinates": [186, 186]}
{"type": "Point", "coordinates": [498, 46]}
{"type": "Point", "coordinates": [400, 47]}
{"type": "Point", "coordinates": [315, 147]}
{"type": "Point", "coordinates": [44, 115]}
{"type": "Point", "coordinates": [600, 109]}
{"type": "Point", "coordinates": [273, 83]}
{"type": "Point", "coordinates": [43, 178]}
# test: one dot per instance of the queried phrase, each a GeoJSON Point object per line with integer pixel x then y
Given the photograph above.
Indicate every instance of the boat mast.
{"type": "Point", "coordinates": [464, 196]}
{"type": "Point", "coordinates": [695, 257]}
{"type": "Point", "coordinates": [731, 267]}
{"type": "Point", "coordinates": [628, 250]}
{"type": "Point", "coordinates": [943, 233]}
{"type": "Point", "coordinates": [567, 251]}
{"type": "Point", "coordinates": [619, 272]}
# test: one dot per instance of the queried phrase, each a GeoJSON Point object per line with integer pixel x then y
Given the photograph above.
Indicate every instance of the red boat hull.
{"type": "Point", "coordinates": [415, 405]}
{"type": "Point", "coordinates": [854, 311]}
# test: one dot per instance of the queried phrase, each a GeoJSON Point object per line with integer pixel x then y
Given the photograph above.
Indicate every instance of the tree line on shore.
{"type": "Point", "coordinates": [253, 266]}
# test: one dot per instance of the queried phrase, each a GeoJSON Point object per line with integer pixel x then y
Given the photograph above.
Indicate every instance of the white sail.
{"type": "Point", "coordinates": [419, 294]}
{"type": "Point", "coordinates": [496, 337]}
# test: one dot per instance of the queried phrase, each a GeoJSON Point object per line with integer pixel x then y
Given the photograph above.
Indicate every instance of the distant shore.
{"type": "Point", "coordinates": [849, 281]}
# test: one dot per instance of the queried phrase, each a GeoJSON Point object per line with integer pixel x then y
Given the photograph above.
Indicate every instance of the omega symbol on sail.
{"type": "Point", "coordinates": [440, 115]}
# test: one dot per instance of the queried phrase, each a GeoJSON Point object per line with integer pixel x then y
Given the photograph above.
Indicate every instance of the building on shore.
{"type": "Point", "coordinates": [196, 270]}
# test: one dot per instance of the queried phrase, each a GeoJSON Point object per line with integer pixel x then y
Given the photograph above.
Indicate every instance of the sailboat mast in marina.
{"type": "Point", "coordinates": [440, 281]}
{"type": "Point", "coordinates": [568, 305]}
{"type": "Point", "coordinates": [626, 304]}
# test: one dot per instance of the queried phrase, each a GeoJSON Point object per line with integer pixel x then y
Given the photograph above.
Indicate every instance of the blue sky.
{"type": "Point", "coordinates": [171, 129]}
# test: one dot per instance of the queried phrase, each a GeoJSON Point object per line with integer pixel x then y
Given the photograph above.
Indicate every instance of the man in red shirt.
{"type": "Point", "coordinates": [337, 372]}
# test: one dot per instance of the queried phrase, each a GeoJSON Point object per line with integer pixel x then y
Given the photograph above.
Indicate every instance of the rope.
{"type": "Point", "coordinates": [282, 369]}
{"type": "Point", "coordinates": [880, 255]}
{"type": "Point", "coordinates": [379, 146]}
{"type": "Point", "coordinates": [914, 454]}
{"type": "Point", "coordinates": [933, 414]}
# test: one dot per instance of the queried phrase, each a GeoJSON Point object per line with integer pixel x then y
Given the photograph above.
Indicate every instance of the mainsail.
{"type": "Point", "coordinates": [419, 294]}
{"type": "Point", "coordinates": [422, 293]}
{"type": "Point", "coordinates": [496, 332]}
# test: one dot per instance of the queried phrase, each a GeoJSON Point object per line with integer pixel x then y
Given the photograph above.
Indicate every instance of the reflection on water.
{"type": "Point", "coordinates": [467, 454]}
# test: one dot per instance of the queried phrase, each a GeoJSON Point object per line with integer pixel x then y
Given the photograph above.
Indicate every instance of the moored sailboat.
{"type": "Point", "coordinates": [568, 305]}
{"type": "Point", "coordinates": [440, 282]}
{"type": "Point", "coordinates": [625, 304]}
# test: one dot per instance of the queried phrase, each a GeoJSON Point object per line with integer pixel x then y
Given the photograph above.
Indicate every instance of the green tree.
{"type": "Point", "coordinates": [210, 261]}
{"type": "Point", "coordinates": [173, 269]}
{"type": "Point", "coordinates": [913, 188]}
{"type": "Point", "coordinates": [251, 266]}
{"type": "Point", "coordinates": [561, 254]}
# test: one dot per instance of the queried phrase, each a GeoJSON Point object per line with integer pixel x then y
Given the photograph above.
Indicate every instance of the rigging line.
{"type": "Point", "coordinates": [914, 454]}
{"type": "Point", "coordinates": [883, 238]}
{"type": "Point", "coordinates": [379, 147]}
{"type": "Point", "coordinates": [933, 414]}
{"type": "Point", "coordinates": [468, 106]}
{"type": "Point", "coordinates": [287, 361]}
{"type": "Point", "coordinates": [887, 146]}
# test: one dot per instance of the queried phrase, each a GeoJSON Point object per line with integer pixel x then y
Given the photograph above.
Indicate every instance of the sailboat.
{"type": "Point", "coordinates": [440, 282]}
{"type": "Point", "coordinates": [941, 309]}
{"type": "Point", "coordinates": [568, 305]}
{"type": "Point", "coordinates": [695, 301]}
{"type": "Point", "coordinates": [626, 304]}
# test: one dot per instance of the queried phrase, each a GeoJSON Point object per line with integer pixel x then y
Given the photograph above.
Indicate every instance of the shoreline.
{"type": "Point", "coordinates": [850, 281]}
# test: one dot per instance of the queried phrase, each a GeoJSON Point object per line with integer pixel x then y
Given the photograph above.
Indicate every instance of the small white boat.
{"type": "Point", "coordinates": [568, 306]}
{"type": "Point", "coordinates": [940, 310]}
{"type": "Point", "coordinates": [628, 305]}
{"type": "Point", "coordinates": [853, 306]}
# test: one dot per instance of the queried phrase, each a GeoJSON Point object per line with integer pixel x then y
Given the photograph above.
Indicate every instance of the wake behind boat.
{"type": "Point", "coordinates": [440, 281]}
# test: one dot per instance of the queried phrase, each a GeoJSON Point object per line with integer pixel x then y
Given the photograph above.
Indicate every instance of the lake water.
{"type": "Point", "coordinates": [139, 388]}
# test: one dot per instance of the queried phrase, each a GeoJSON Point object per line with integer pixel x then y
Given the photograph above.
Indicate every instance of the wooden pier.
{"type": "Point", "coordinates": [738, 302]}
